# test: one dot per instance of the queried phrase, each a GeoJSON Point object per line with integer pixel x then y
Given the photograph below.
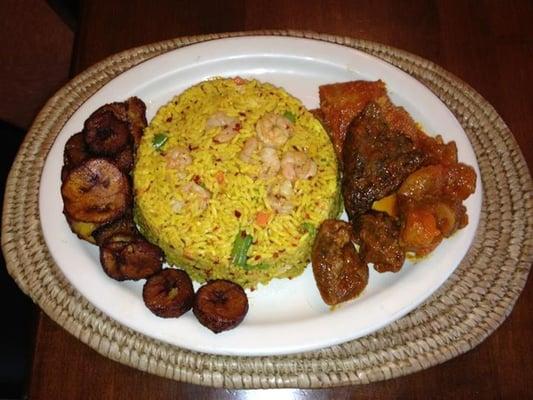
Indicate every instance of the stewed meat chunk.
{"type": "Point", "coordinates": [339, 272]}
{"type": "Point", "coordinates": [379, 238]}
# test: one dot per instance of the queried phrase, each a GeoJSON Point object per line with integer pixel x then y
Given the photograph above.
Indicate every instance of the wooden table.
{"type": "Point", "coordinates": [488, 44]}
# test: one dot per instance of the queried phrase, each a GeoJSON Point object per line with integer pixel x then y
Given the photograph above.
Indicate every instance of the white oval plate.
{"type": "Point", "coordinates": [286, 316]}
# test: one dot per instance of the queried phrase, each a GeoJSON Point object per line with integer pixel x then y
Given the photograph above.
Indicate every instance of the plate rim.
{"type": "Point", "coordinates": [281, 349]}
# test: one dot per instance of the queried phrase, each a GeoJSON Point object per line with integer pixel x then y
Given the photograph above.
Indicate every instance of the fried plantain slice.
{"type": "Point", "coordinates": [220, 305]}
{"type": "Point", "coordinates": [169, 293]}
{"type": "Point", "coordinates": [105, 134]}
{"type": "Point", "coordinates": [124, 159]}
{"type": "Point", "coordinates": [123, 226]}
{"type": "Point", "coordinates": [76, 151]}
{"type": "Point", "coordinates": [118, 108]}
{"type": "Point", "coordinates": [110, 258]}
{"type": "Point", "coordinates": [125, 257]}
{"type": "Point", "coordinates": [140, 259]}
{"type": "Point", "coordinates": [136, 110]}
{"type": "Point", "coordinates": [84, 230]}
{"type": "Point", "coordinates": [96, 191]}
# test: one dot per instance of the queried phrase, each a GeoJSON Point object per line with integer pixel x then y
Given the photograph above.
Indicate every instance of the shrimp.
{"type": "Point", "coordinates": [273, 129]}
{"type": "Point", "coordinates": [201, 194]}
{"type": "Point", "coordinates": [297, 165]}
{"type": "Point", "coordinates": [178, 158]}
{"type": "Point", "coordinates": [278, 197]}
{"type": "Point", "coordinates": [176, 206]}
{"type": "Point", "coordinates": [250, 146]}
{"type": "Point", "coordinates": [230, 126]}
{"type": "Point", "coordinates": [271, 163]}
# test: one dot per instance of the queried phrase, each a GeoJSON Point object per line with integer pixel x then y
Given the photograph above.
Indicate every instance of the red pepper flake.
{"type": "Point", "coordinates": [237, 213]}
{"type": "Point", "coordinates": [237, 127]}
{"type": "Point", "coordinates": [257, 257]}
{"type": "Point", "coordinates": [242, 114]}
{"type": "Point", "coordinates": [197, 179]}
{"type": "Point", "coordinates": [169, 119]}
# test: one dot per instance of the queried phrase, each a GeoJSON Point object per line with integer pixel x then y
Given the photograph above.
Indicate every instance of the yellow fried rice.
{"type": "Point", "coordinates": [195, 196]}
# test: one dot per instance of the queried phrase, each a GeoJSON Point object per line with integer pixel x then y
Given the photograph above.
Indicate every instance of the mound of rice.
{"type": "Point", "coordinates": [195, 196]}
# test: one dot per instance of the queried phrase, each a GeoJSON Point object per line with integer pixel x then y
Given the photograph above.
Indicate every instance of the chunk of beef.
{"type": "Point", "coordinates": [339, 273]}
{"type": "Point", "coordinates": [379, 238]}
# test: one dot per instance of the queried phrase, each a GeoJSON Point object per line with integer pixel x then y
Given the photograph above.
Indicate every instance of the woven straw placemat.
{"type": "Point", "coordinates": [472, 303]}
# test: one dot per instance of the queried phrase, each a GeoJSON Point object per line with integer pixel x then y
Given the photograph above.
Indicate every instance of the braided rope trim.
{"type": "Point", "coordinates": [472, 303]}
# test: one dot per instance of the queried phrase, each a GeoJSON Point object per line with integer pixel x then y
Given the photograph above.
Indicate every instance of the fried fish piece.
{"type": "Point", "coordinates": [340, 103]}
{"type": "Point", "coordinates": [399, 120]}
{"type": "Point", "coordinates": [376, 159]}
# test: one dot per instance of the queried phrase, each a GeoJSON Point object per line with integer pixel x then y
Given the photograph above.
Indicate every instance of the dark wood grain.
{"type": "Point", "coordinates": [488, 44]}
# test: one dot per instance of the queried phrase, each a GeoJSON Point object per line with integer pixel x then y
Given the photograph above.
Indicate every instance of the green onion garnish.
{"type": "Point", "coordinates": [239, 253]}
{"type": "Point", "coordinates": [310, 228]}
{"type": "Point", "coordinates": [290, 116]}
{"type": "Point", "coordinates": [159, 140]}
{"type": "Point", "coordinates": [257, 266]}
